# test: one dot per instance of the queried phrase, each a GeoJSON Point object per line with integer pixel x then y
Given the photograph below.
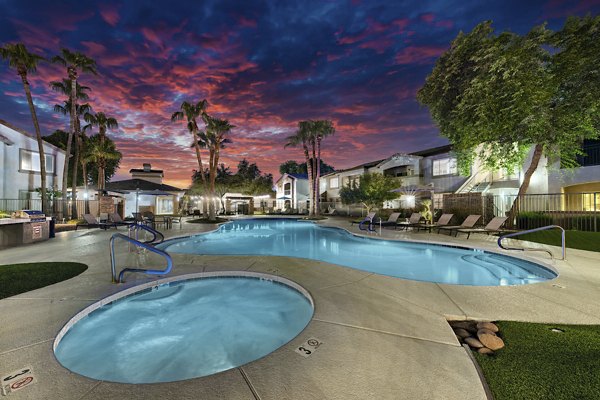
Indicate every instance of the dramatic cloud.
{"type": "Point", "coordinates": [264, 65]}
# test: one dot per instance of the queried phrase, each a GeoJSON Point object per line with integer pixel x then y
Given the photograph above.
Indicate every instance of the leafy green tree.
{"type": "Point", "coordinates": [25, 62]}
{"type": "Point", "coordinates": [497, 95]}
{"type": "Point", "coordinates": [74, 62]}
{"type": "Point", "coordinates": [372, 190]}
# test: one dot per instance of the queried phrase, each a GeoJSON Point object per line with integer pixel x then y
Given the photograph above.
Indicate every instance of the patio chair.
{"type": "Point", "coordinates": [369, 217]}
{"type": "Point", "coordinates": [468, 223]}
{"type": "Point", "coordinates": [116, 219]}
{"type": "Point", "coordinates": [492, 227]}
{"type": "Point", "coordinates": [92, 222]}
{"type": "Point", "coordinates": [391, 221]}
{"type": "Point", "coordinates": [444, 220]}
{"type": "Point", "coordinates": [330, 211]}
{"type": "Point", "coordinates": [412, 221]}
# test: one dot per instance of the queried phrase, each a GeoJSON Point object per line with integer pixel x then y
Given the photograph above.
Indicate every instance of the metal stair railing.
{"type": "Point", "coordinates": [157, 236]}
{"type": "Point", "coordinates": [543, 228]}
{"type": "Point", "coordinates": [143, 245]}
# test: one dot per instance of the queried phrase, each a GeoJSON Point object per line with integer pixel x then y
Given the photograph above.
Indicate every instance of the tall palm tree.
{"type": "Point", "coordinates": [84, 154]}
{"type": "Point", "coordinates": [25, 62]}
{"type": "Point", "coordinates": [75, 62]}
{"type": "Point", "coordinates": [81, 110]}
{"type": "Point", "coordinates": [64, 87]}
{"type": "Point", "coordinates": [322, 129]}
{"type": "Point", "coordinates": [100, 151]}
{"type": "Point", "coordinates": [191, 112]}
{"type": "Point", "coordinates": [103, 123]}
{"type": "Point", "coordinates": [214, 140]}
{"type": "Point", "coordinates": [302, 136]}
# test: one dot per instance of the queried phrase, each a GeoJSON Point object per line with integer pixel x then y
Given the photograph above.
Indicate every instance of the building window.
{"type": "Point", "coordinates": [164, 205]}
{"type": "Point", "coordinates": [444, 166]}
{"type": "Point", "coordinates": [334, 183]}
{"type": "Point", "coordinates": [30, 161]}
{"type": "Point", "coordinates": [287, 189]}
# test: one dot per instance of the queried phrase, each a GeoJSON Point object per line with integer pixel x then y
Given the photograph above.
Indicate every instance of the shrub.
{"type": "Point", "coordinates": [531, 219]}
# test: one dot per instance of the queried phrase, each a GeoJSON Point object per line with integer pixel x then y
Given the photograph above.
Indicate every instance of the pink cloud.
{"type": "Point", "coordinates": [418, 54]}
{"type": "Point", "coordinates": [109, 13]}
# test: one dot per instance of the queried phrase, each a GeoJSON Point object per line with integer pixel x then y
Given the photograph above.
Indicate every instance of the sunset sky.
{"type": "Point", "coordinates": [264, 65]}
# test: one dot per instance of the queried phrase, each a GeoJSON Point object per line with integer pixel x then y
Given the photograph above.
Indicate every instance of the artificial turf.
{"type": "Point", "coordinates": [574, 239]}
{"type": "Point", "coordinates": [538, 363]}
{"type": "Point", "coordinates": [20, 278]}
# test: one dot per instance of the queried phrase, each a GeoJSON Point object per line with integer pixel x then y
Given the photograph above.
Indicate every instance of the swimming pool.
{"type": "Point", "coordinates": [184, 327]}
{"type": "Point", "coordinates": [401, 259]}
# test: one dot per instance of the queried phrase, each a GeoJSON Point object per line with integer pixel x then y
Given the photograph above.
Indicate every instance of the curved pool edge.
{"type": "Point", "coordinates": [521, 256]}
{"type": "Point", "coordinates": [163, 281]}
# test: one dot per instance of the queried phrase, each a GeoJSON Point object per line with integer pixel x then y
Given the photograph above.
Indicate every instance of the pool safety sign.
{"type": "Point", "coordinates": [307, 348]}
{"type": "Point", "coordinates": [17, 380]}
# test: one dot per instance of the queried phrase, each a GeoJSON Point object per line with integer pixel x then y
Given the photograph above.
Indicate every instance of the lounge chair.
{"type": "Point", "coordinates": [468, 223]}
{"type": "Point", "coordinates": [330, 211]}
{"type": "Point", "coordinates": [413, 221]}
{"type": "Point", "coordinates": [116, 219]}
{"type": "Point", "coordinates": [369, 217]}
{"type": "Point", "coordinates": [391, 221]}
{"type": "Point", "coordinates": [492, 227]}
{"type": "Point", "coordinates": [444, 220]}
{"type": "Point", "coordinates": [92, 222]}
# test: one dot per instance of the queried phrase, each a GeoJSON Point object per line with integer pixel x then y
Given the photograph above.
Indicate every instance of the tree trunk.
{"type": "Point", "coordinates": [85, 186]}
{"type": "Point", "coordinates": [310, 173]}
{"type": "Point", "coordinates": [318, 176]}
{"type": "Point", "coordinates": [74, 212]}
{"type": "Point", "coordinates": [535, 160]}
{"type": "Point", "coordinates": [38, 136]}
{"type": "Point", "coordinates": [201, 165]}
{"type": "Point", "coordinates": [65, 206]}
{"type": "Point", "coordinates": [101, 168]}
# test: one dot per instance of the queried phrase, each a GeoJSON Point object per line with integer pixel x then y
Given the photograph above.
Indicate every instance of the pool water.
{"type": "Point", "coordinates": [409, 260]}
{"type": "Point", "coordinates": [184, 330]}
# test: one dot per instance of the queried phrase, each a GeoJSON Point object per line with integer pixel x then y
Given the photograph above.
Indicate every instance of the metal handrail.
{"type": "Point", "coordinates": [543, 228]}
{"type": "Point", "coordinates": [146, 246]}
{"type": "Point", "coordinates": [153, 231]}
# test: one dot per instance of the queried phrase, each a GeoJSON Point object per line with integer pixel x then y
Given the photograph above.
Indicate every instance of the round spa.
{"type": "Point", "coordinates": [184, 327]}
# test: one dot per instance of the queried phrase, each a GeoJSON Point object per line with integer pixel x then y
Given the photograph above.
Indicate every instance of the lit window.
{"type": "Point", "coordinates": [334, 183]}
{"type": "Point", "coordinates": [287, 189]}
{"type": "Point", "coordinates": [444, 166]}
{"type": "Point", "coordinates": [30, 161]}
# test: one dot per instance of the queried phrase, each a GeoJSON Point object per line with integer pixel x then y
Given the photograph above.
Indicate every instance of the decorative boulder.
{"type": "Point", "coordinates": [471, 341]}
{"type": "Point", "coordinates": [485, 350]}
{"type": "Point", "coordinates": [487, 325]}
{"type": "Point", "coordinates": [480, 331]}
{"type": "Point", "coordinates": [460, 332]}
{"type": "Point", "coordinates": [491, 341]}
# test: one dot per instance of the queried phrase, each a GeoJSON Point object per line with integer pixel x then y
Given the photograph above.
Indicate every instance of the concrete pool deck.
{"type": "Point", "coordinates": [383, 337]}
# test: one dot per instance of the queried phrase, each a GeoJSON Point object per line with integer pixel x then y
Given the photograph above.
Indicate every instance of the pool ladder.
{"type": "Point", "coordinates": [147, 245]}
{"type": "Point", "coordinates": [543, 228]}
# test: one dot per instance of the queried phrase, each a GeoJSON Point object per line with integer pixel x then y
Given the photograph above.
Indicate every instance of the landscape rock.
{"type": "Point", "coordinates": [461, 332]}
{"type": "Point", "coordinates": [488, 325]}
{"type": "Point", "coordinates": [492, 341]}
{"type": "Point", "coordinates": [466, 325]}
{"type": "Point", "coordinates": [471, 341]}
{"type": "Point", "coordinates": [485, 350]}
{"type": "Point", "coordinates": [481, 331]}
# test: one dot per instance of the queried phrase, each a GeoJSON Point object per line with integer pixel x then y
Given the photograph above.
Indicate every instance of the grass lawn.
{"type": "Point", "coordinates": [21, 278]}
{"type": "Point", "coordinates": [540, 364]}
{"type": "Point", "coordinates": [574, 239]}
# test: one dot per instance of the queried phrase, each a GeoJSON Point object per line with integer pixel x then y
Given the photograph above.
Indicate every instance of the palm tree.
{"type": "Point", "coordinates": [103, 123]}
{"type": "Point", "coordinates": [322, 129]}
{"type": "Point", "coordinates": [214, 140]}
{"type": "Point", "coordinates": [302, 136]}
{"type": "Point", "coordinates": [75, 62]}
{"type": "Point", "coordinates": [64, 87]}
{"type": "Point", "coordinates": [191, 112]}
{"type": "Point", "coordinates": [84, 154]}
{"type": "Point", "coordinates": [24, 62]}
{"type": "Point", "coordinates": [98, 152]}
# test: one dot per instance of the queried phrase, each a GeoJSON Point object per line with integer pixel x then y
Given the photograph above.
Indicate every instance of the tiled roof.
{"type": "Point", "coordinates": [142, 184]}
